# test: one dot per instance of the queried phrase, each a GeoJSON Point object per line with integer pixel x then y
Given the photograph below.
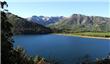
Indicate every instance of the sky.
{"type": "Point", "coordinates": [28, 8]}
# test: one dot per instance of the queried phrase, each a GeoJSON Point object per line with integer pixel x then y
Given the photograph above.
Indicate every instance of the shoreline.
{"type": "Point", "coordinates": [84, 36]}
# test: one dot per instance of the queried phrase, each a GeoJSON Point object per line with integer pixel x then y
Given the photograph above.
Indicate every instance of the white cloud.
{"type": "Point", "coordinates": [2, 0]}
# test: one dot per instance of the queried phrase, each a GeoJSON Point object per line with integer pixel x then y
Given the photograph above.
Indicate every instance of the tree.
{"type": "Point", "coordinates": [3, 3]}
{"type": "Point", "coordinates": [6, 37]}
{"type": "Point", "coordinates": [10, 55]}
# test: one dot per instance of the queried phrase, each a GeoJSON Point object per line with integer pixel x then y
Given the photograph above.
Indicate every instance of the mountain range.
{"type": "Point", "coordinates": [44, 20]}
{"type": "Point", "coordinates": [44, 24]}
{"type": "Point", "coordinates": [82, 23]}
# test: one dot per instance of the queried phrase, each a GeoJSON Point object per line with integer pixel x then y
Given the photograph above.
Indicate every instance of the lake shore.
{"type": "Point", "coordinates": [76, 35]}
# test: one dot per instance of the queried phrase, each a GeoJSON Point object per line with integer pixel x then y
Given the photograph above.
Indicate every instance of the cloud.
{"type": "Point", "coordinates": [2, 0]}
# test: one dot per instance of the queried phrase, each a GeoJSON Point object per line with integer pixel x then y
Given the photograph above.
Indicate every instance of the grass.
{"type": "Point", "coordinates": [89, 34]}
{"type": "Point", "coordinates": [95, 34]}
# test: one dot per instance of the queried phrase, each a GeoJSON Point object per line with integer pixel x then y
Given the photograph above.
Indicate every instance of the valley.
{"type": "Point", "coordinates": [77, 24]}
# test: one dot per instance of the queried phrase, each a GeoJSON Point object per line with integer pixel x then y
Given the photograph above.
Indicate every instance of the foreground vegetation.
{"type": "Point", "coordinates": [87, 60]}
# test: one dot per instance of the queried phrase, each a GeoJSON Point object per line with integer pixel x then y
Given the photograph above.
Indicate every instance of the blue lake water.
{"type": "Point", "coordinates": [66, 49]}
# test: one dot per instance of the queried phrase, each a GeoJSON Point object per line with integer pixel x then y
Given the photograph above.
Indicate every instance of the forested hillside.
{"type": "Point", "coordinates": [82, 23]}
{"type": "Point", "coordinates": [22, 26]}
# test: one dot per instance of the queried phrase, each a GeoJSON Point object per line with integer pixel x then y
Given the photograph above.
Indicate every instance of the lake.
{"type": "Point", "coordinates": [66, 49]}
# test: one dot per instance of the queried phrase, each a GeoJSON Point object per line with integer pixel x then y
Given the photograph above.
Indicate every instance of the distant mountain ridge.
{"type": "Point", "coordinates": [82, 23]}
{"type": "Point", "coordinates": [44, 20]}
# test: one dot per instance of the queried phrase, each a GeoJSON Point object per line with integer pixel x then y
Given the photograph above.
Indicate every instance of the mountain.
{"type": "Point", "coordinates": [74, 23]}
{"type": "Point", "coordinates": [82, 23]}
{"type": "Point", "coordinates": [22, 26]}
{"type": "Point", "coordinates": [43, 20]}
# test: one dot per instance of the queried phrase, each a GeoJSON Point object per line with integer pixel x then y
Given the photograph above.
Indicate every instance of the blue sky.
{"type": "Point", "coordinates": [59, 8]}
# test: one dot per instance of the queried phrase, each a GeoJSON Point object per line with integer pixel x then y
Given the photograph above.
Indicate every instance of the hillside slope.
{"type": "Point", "coordinates": [22, 26]}
{"type": "Point", "coordinates": [82, 23]}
